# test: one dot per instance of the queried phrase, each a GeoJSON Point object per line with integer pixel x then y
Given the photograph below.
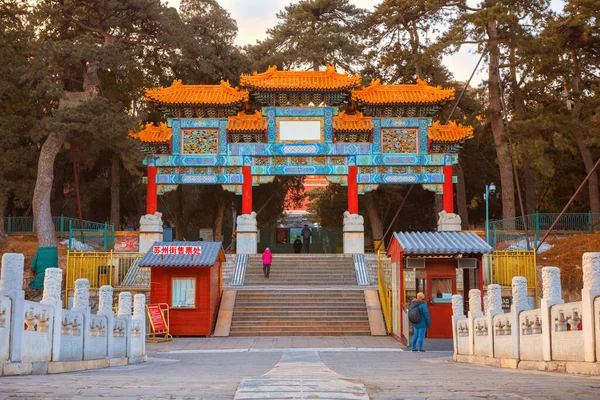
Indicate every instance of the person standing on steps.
{"type": "Point", "coordinates": [306, 234]}
{"type": "Point", "coordinates": [418, 315]}
{"type": "Point", "coordinates": [297, 245]}
{"type": "Point", "coordinates": [267, 259]}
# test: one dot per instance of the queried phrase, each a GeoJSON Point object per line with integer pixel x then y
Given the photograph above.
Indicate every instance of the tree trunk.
{"type": "Point", "coordinates": [461, 196]}
{"type": "Point", "coordinates": [376, 223]}
{"type": "Point", "coordinates": [439, 204]}
{"type": "Point", "coordinates": [521, 114]}
{"type": "Point", "coordinates": [218, 226]}
{"type": "Point", "coordinates": [41, 204]}
{"type": "Point", "coordinates": [115, 192]}
{"type": "Point", "coordinates": [179, 231]}
{"type": "Point", "coordinates": [500, 141]}
{"type": "Point", "coordinates": [42, 210]}
{"type": "Point", "coordinates": [58, 198]}
{"type": "Point", "coordinates": [586, 154]}
{"type": "Point", "coordinates": [588, 161]}
{"type": "Point", "coordinates": [529, 187]}
{"type": "Point", "coordinates": [3, 203]}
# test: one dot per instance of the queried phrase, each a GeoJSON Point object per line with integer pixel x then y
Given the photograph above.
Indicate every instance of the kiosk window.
{"type": "Point", "coordinates": [184, 293]}
{"type": "Point", "coordinates": [441, 290]}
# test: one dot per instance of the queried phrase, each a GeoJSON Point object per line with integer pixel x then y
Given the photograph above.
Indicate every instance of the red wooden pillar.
{"type": "Point", "coordinates": [352, 190]}
{"type": "Point", "coordinates": [247, 191]}
{"type": "Point", "coordinates": [448, 190]}
{"type": "Point", "coordinates": [151, 197]}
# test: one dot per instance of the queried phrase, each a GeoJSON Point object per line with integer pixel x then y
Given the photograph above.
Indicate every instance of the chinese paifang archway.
{"type": "Point", "coordinates": [300, 123]}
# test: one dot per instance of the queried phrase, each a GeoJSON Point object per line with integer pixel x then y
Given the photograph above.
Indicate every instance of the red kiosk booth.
{"type": "Point", "coordinates": [438, 264]}
{"type": "Point", "coordinates": [187, 276]}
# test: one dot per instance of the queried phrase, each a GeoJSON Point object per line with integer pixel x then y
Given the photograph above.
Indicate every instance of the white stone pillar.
{"type": "Point", "coordinates": [81, 303]}
{"type": "Point", "coordinates": [247, 238]}
{"type": "Point", "coordinates": [139, 314]}
{"type": "Point", "coordinates": [105, 308]}
{"type": "Point", "coordinates": [457, 313]}
{"type": "Point", "coordinates": [494, 307]}
{"type": "Point", "coordinates": [51, 296]}
{"type": "Point", "coordinates": [474, 312]}
{"type": "Point", "coordinates": [124, 312]}
{"type": "Point", "coordinates": [81, 298]}
{"type": "Point", "coordinates": [519, 303]}
{"type": "Point", "coordinates": [151, 231]}
{"type": "Point", "coordinates": [449, 222]}
{"type": "Point", "coordinates": [11, 286]}
{"type": "Point", "coordinates": [591, 290]}
{"type": "Point", "coordinates": [354, 234]}
{"type": "Point", "coordinates": [552, 295]}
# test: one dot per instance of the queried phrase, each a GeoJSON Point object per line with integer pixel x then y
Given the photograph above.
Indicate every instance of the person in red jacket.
{"type": "Point", "coordinates": [267, 259]}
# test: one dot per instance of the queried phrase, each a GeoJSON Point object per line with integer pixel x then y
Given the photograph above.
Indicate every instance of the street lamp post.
{"type": "Point", "coordinates": [489, 189]}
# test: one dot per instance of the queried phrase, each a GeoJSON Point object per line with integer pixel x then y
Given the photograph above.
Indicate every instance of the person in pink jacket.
{"type": "Point", "coordinates": [267, 259]}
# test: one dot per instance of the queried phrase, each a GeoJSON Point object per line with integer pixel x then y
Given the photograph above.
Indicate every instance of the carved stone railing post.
{"type": "Point", "coordinates": [494, 307]}
{"type": "Point", "coordinates": [591, 290]}
{"type": "Point", "coordinates": [474, 312]}
{"type": "Point", "coordinates": [552, 295]}
{"type": "Point", "coordinates": [519, 303]}
{"type": "Point", "coordinates": [81, 298]}
{"type": "Point", "coordinates": [105, 308]}
{"type": "Point", "coordinates": [457, 313]}
{"type": "Point", "coordinates": [51, 296]}
{"type": "Point", "coordinates": [124, 312]}
{"type": "Point", "coordinates": [81, 303]}
{"type": "Point", "coordinates": [11, 286]}
{"type": "Point", "coordinates": [139, 314]}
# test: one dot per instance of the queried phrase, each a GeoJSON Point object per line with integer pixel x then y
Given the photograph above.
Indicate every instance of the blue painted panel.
{"type": "Point", "coordinates": [376, 136]}
{"type": "Point", "coordinates": [300, 111]}
{"type": "Point", "coordinates": [201, 122]}
{"type": "Point", "coordinates": [223, 137]}
{"type": "Point", "coordinates": [176, 138]}
{"type": "Point", "coordinates": [400, 122]}
{"type": "Point", "coordinates": [199, 161]}
{"type": "Point", "coordinates": [400, 159]}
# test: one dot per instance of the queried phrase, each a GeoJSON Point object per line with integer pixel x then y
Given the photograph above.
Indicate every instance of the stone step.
{"type": "Point", "coordinates": [317, 295]}
{"type": "Point", "coordinates": [304, 332]}
{"type": "Point", "coordinates": [307, 318]}
{"type": "Point", "coordinates": [299, 313]}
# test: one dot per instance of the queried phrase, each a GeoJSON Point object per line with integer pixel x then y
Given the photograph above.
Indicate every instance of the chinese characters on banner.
{"type": "Point", "coordinates": [176, 250]}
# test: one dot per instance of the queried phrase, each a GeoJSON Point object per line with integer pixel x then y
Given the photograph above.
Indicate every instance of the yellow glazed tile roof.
{"type": "Point", "coordinates": [247, 122]}
{"type": "Point", "coordinates": [153, 134]}
{"type": "Point", "coordinates": [452, 132]}
{"type": "Point", "coordinates": [356, 122]}
{"type": "Point", "coordinates": [181, 94]}
{"type": "Point", "coordinates": [273, 79]}
{"type": "Point", "coordinates": [419, 93]}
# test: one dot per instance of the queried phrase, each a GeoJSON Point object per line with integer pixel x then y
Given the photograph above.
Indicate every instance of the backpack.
{"type": "Point", "coordinates": [414, 313]}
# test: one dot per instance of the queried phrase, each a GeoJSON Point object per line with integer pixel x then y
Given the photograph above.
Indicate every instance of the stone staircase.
{"type": "Point", "coordinates": [305, 295]}
{"type": "Point", "coordinates": [303, 270]}
{"type": "Point", "coordinates": [300, 312]}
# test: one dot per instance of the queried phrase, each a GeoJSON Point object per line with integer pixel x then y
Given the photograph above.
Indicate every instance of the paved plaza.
{"type": "Point", "coordinates": [296, 368]}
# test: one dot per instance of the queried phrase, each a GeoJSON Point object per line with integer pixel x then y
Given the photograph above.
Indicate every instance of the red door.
{"type": "Point", "coordinates": [440, 288]}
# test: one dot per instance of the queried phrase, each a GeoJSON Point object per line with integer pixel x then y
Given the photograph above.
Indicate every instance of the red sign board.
{"type": "Point", "coordinates": [177, 250]}
{"type": "Point", "coordinates": [157, 318]}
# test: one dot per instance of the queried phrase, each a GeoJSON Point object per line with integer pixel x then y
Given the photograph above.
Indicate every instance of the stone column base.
{"type": "Point", "coordinates": [247, 239]}
{"type": "Point", "coordinates": [151, 231]}
{"type": "Point", "coordinates": [354, 234]}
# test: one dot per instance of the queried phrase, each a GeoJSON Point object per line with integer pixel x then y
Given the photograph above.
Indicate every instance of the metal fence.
{"type": "Point", "coordinates": [120, 270]}
{"type": "Point", "coordinates": [505, 265]}
{"type": "Point", "coordinates": [384, 277]}
{"type": "Point", "coordinates": [510, 233]}
{"type": "Point", "coordinates": [61, 225]}
{"type": "Point", "coordinates": [101, 239]}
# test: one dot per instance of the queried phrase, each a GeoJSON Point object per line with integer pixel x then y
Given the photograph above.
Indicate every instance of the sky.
{"type": "Point", "coordinates": [254, 17]}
